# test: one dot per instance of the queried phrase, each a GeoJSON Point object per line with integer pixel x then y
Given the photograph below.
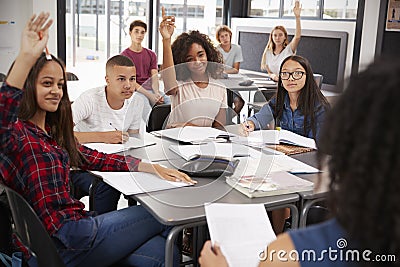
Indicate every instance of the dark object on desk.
{"type": "Point", "coordinates": [246, 83]}
{"type": "Point", "coordinates": [206, 166]}
{"type": "Point", "coordinates": [31, 231]}
{"type": "Point", "coordinates": [2, 77]}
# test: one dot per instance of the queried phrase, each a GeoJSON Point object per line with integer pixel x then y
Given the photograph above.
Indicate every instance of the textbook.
{"type": "Point", "coordinates": [212, 149]}
{"type": "Point", "coordinates": [274, 183]}
{"type": "Point", "coordinates": [116, 148]}
{"type": "Point", "coordinates": [263, 137]}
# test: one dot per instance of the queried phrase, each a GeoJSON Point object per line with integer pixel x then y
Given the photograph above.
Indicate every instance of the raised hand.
{"type": "Point", "coordinates": [35, 35]}
{"type": "Point", "coordinates": [297, 9]}
{"type": "Point", "coordinates": [32, 45]}
{"type": "Point", "coordinates": [167, 25]}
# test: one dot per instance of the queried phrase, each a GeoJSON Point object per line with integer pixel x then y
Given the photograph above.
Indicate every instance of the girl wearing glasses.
{"type": "Point", "coordinates": [298, 105]}
{"type": "Point", "coordinates": [278, 46]}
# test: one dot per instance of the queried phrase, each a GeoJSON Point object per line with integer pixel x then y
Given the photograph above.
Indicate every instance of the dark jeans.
{"type": "Point", "coordinates": [105, 197]}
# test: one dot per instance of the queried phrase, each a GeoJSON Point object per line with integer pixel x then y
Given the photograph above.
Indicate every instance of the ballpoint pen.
{"type": "Point", "coordinates": [48, 56]}
{"type": "Point", "coordinates": [245, 122]}
{"type": "Point", "coordinates": [113, 126]}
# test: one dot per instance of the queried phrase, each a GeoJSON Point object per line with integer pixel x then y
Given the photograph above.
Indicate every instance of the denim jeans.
{"type": "Point", "coordinates": [126, 237]}
{"type": "Point", "coordinates": [105, 197]}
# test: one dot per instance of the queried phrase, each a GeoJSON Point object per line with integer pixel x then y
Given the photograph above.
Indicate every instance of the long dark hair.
{"type": "Point", "coordinates": [309, 99]}
{"type": "Point", "coordinates": [180, 48]}
{"type": "Point", "coordinates": [361, 135]}
{"type": "Point", "coordinates": [60, 121]}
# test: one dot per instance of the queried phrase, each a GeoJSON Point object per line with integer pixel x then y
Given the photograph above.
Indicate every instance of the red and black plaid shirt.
{"type": "Point", "coordinates": [34, 165]}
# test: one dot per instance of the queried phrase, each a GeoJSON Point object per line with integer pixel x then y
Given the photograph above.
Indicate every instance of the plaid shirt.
{"type": "Point", "coordinates": [32, 163]}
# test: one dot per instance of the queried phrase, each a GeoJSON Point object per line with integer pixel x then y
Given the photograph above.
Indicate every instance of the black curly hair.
{"type": "Point", "coordinates": [309, 98]}
{"type": "Point", "coordinates": [181, 46]}
{"type": "Point", "coordinates": [362, 138]}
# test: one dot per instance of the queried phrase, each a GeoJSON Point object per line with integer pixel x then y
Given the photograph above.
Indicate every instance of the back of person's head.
{"type": "Point", "coordinates": [309, 96]}
{"type": "Point", "coordinates": [119, 60]}
{"type": "Point", "coordinates": [361, 137]}
{"type": "Point", "coordinates": [223, 28]}
{"type": "Point", "coordinates": [60, 121]}
{"type": "Point", "coordinates": [180, 48]}
{"type": "Point", "coordinates": [271, 44]}
{"type": "Point", "coordinates": [137, 23]}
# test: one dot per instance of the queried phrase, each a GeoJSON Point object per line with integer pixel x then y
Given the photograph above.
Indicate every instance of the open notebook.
{"type": "Point", "coordinates": [190, 134]}
{"type": "Point", "coordinates": [263, 137]}
{"type": "Point", "coordinates": [212, 149]}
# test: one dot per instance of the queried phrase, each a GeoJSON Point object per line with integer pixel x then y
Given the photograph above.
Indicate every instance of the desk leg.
{"type": "Point", "coordinates": [307, 204]}
{"type": "Point", "coordinates": [171, 238]}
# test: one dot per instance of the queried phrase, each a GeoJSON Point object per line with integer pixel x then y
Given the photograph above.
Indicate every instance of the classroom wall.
{"type": "Point", "coordinates": [18, 12]}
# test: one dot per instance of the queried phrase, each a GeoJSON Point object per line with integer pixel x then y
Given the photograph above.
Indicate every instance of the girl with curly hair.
{"type": "Point", "coordinates": [363, 159]}
{"type": "Point", "coordinates": [196, 97]}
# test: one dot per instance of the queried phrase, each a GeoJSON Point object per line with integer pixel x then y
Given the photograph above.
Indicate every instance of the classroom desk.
{"type": "Point", "coordinates": [184, 207]}
{"type": "Point", "coordinates": [158, 152]}
{"type": "Point", "coordinates": [310, 198]}
{"type": "Point", "coordinates": [232, 85]}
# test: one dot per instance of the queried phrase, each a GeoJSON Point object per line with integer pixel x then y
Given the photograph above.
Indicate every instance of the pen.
{"type": "Point", "coordinates": [245, 122]}
{"type": "Point", "coordinates": [48, 56]}
{"type": "Point", "coordinates": [113, 126]}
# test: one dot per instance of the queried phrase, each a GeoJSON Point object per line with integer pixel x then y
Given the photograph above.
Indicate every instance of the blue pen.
{"type": "Point", "coordinates": [245, 121]}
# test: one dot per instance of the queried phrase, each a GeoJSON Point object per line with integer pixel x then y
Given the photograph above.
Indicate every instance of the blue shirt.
{"type": "Point", "coordinates": [323, 244]}
{"type": "Point", "coordinates": [291, 120]}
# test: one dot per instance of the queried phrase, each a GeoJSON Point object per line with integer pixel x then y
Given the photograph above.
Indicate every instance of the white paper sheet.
{"type": "Point", "coordinates": [116, 148]}
{"type": "Point", "coordinates": [190, 134]}
{"type": "Point", "coordinates": [242, 230]}
{"type": "Point", "coordinates": [130, 183]}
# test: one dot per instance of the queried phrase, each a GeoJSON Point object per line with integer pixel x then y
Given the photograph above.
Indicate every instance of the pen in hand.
{"type": "Point", "coordinates": [113, 126]}
{"type": "Point", "coordinates": [246, 124]}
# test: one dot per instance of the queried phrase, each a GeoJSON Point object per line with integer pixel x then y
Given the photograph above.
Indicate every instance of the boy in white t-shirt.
{"type": "Point", "coordinates": [109, 114]}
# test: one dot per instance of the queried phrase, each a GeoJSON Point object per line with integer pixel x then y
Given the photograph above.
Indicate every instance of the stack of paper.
{"type": "Point", "coordinates": [242, 231]}
{"type": "Point", "coordinates": [131, 183]}
{"type": "Point", "coordinates": [116, 148]}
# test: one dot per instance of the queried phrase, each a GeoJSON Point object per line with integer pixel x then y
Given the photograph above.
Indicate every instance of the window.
{"type": "Point", "coordinates": [332, 9]}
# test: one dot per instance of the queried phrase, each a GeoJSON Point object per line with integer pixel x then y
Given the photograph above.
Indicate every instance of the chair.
{"type": "Point", "coordinates": [2, 77]}
{"type": "Point", "coordinates": [71, 76]}
{"type": "Point", "coordinates": [158, 117]}
{"type": "Point", "coordinates": [318, 79]}
{"type": "Point", "coordinates": [31, 231]}
{"type": "Point", "coordinates": [260, 98]}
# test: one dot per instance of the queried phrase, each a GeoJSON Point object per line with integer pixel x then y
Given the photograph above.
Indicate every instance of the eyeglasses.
{"type": "Point", "coordinates": [296, 75]}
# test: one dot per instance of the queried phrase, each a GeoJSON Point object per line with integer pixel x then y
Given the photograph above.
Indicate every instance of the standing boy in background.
{"type": "Point", "coordinates": [145, 61]}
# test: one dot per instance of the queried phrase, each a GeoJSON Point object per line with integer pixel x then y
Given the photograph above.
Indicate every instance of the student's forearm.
{"type": "Point", "coordinates": [154, 82]}
{"type": "Point", "coordinates": [168, 74]}
{"type": "Point", "coordinates": [143, 91]}
{"type": "Point", "coordinates": [89, 137]}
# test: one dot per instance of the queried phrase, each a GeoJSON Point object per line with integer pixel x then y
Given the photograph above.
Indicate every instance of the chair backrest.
{"type": "Point", "coordinates": [31, 231]}
{"type": "Point", "coordinates": [2, 77]}
{"type": "Point", "coordinates": [71, 76]}
{"type": "Point", "coordinates": [318, 79]}
{"type": "Point", "coordinates": [158, 117]}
